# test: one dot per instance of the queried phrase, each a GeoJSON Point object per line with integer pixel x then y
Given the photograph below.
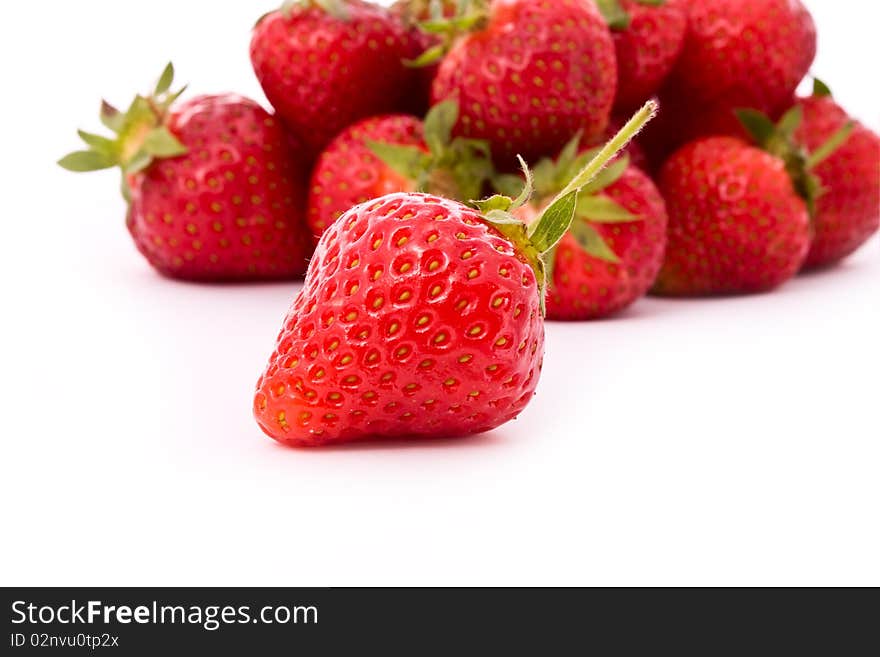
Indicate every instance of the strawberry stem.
{"type": "Point", "coordinates": [617, 143]}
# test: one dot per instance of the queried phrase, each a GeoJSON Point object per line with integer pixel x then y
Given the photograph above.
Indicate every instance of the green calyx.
{"type": "Point", "coordinates": [335, 8]}
{"type": "Point", "coordinates": [537, 240]}
{"type": "Point", "coordinates": [469, 16]}
{"type": "Point", "coordinates": [616, 16]}
{"type": "Point", "coordinates": [551, 175]}
{"type": "Point", "coordinates": [454, 167]}
{"type": "Point", "coordinates": [779, 139]}
{"type": "Point", "coordinates": [140, 134]}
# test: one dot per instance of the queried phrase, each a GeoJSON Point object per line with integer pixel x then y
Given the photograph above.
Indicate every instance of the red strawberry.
{"type": "Point", "coordinates": [213, 192]}
{"type": "Point", "coordinates": [612, 253]}
{"type": "Point", "coordinates": [744, 53]}
{"type": "Point", "coordinates": [420, 317]}
{"type": "Point", "coordinates": [396, 153]}
{"type": "Point", "coordinates": [648, 37]}
{"type": "Point", "coordinates": [348, 172]}
{"type": "Point", "coordinates": [848, 208]}
{"type": "Point", "coordinates": [326, 64]}
{"type": "Point", "coordinates": [530, 75]}
{"type": "Point", "coordinates": [736, 223]}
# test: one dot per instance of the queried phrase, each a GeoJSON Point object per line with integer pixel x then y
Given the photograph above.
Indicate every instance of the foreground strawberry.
{"type": "Point", "coordinates": [736, 222]}
{"type": "Point", "coordinates": [396, 153]}
{"type": "Point", "coordinates": [848, 208]}
{"type": "Point", "coordinates": [528, 75]}
{"type": "Point", "coordinates": [420, 317]}
{"type": "Point", "coordinates": [325, 64]}
{"type": "Point", "coordinates": [213, 192]}
{"type": "Point", "coordinates": [648, 37]}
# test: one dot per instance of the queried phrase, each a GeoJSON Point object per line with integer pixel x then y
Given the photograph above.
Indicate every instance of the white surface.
{"type": "Point", "coordinates": [717, 442]}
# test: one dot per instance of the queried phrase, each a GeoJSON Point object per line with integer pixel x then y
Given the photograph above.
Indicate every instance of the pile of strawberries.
{"type": "Point", "coordinates": [440, 173]}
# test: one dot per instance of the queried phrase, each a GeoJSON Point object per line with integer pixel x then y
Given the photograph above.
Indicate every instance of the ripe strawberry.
{"type": "Point", "coordinates": [736, 53]}
{"type": "Point", "coordinates": [736, 223]}
{"type": "Point", "coordinates": [848, 208]}
{"type": "Point", "coordinates": [648, 37]}
{"type": "Point", "coordinates": [396, 153]}
{"type": "Point", "coordinates": [325, 64]}
{"type": "Point", "coordinates": [612, 253]}
{"type": "Point", "coordinates": [744, 53]}
{"type": "Point", "coordinates": [213, 192]}
{"type": "Point", "coordinates": [529, 75]}
{"type": "Point", "coordinates": [420, 317]}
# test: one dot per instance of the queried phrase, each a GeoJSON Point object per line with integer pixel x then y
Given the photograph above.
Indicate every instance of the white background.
{"type": "Point", "coordinates": [731, 441]}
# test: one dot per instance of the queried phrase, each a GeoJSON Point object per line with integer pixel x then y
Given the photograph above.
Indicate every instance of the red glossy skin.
{"type": "Point", "coordinates": [232, 208]}
{"type": "Point", "coordinates": [848, 212]}
{"type": "Point", "coordinates": [540, 72]}
{"type": "Point", "coordinates": [744, 53]}
{"type": "Point", "coordinates": [736, 224]}
{"type": "Point", "coordinates": [417, 320]}
{"type": "Point", "coordinates": [585, 287]}
{"type": "Point", "coordinates": [348, 173]}
{"type": "Point", "coordinates": [647, 49]}
{"type": "Point", "coordinates": [322, 74]}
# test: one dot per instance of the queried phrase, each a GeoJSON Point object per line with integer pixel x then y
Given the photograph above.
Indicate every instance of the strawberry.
{"type": "Point", "coordinates": [736, 222]}
{"type": "Point", "coordinates": [528, 75]}
{"type": "Point", "coordinates": [420, 317]}
{"type": "Point", "coordinates": [325, 64]}
{"type": "Point", "coordinates": [848, 207]}
{"type": "Point", "coordinates": [213, 192]}
{"type": "Point", "coordinates": [744, 53]}
{"type": "Point", "coordinates": [736, 54]}
{"type": "Point", "coordinates": [396, 153]}
{"type": "Point", "coordinates": [612, 253]}
{"type": "Point", "coordinates": [648, 37]}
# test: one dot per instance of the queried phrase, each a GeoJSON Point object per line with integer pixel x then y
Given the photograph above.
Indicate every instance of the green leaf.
{"type": "Point", "coordinates": [159, 142]}
{"type": "Point", "coordinates": [614, 13]}
{"type": "Point", "coordinates": [607, 176]}
{"type": "Point", "coordinates": [821, 89]}
{"type": "Point", "coordinates": [139, 162]}
{"type": "Point", "coordinates": [165, 80]}
{"type": "Point", "coordinates": [111, 117]}
{"type": "Point", "coordinates": [81, 161]}
{"type": "Point", "coordinates": [790, 121]}
{"type": "Point", "coordinates": [431, 56]}
{"type": "Point", "coordinates": [592, 242]}
{"type": "Point", "coordinates": [603, 210]}
{"type": "Point", "coordinates": [336, 8]}
{"type": "Point", "coordinates": [553, 223]}
{"type": "Point", "coordinates": [528, 188]}
{"type": "Point", "coordinates": [98, 143]}
{"type": "Point", "coordinates": [567, 156]}
{"type": "Point", "coordinates": [757, 124]}
{"type": "Point", "coordinates": [828, 148]}
{"type": "Point", "coordinates": [498, 202]}
{"type": "Point", "coordinates": [409, 161]}
{"type": "Point", "coordinates": [439, 122]}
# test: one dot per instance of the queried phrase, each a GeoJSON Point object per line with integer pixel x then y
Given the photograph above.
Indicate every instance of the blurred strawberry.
{"type": "Point", "coordinates": [527, 75]}
{"type": "Point", "coordinates": [736, 222]}
{"type": "Point", "coordinates": [213, 192]}
{"type": "Point", "coordinates": [834, 163]}
{"type": "Point", "coordinates": [648, 37]}
{"type": "Point", "coordinates": [325, 64]}
{"type": "Point", "coordinates": [396, 153]}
